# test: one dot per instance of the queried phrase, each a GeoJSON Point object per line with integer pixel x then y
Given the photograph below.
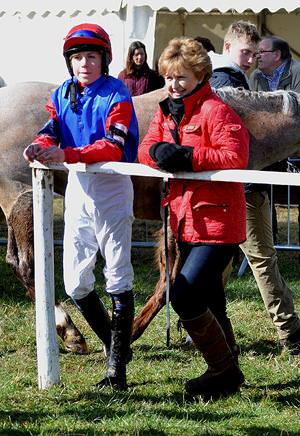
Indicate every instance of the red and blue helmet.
{"type": "Point", "coordinates": [88, 37]}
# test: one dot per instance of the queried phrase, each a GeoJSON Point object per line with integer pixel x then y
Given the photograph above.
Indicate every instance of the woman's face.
{"type": "Point", "coordinates": [139, 57]}
{"type": "Point", "coordinates": [181, 82]}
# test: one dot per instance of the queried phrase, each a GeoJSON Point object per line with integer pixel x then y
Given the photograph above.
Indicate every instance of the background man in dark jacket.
{"type": "Point", "coordinates": [239, 52]}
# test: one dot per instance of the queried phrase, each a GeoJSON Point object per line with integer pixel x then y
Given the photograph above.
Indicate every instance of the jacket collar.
{"type": "Point", "coordinates": [284, 80]}
{"type": "Point", "coordinates": [141, 71]}
{"type": "Point", "coordinates": [90, 89]}
{"type": "Point", "coordinates": [274, 78]}
{"type": "Point", "coordinates": [196, 98]}
{"type": "Point", "coordinates": [286, 75]}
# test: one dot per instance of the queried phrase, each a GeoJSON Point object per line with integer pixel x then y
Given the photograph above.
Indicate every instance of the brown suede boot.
{"type": "Point", "coordinates": [223, 376]}
{"type": "Point", "coordinates": [229, 336]}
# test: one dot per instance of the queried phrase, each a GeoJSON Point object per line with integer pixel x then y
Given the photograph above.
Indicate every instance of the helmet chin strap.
{"type": "Point", "coordinates": [72, 92]}
{"type": "Point", "coordinates": [73, 95]}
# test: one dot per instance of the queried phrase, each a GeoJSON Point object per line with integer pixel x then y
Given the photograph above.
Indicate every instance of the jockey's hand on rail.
{"type": "Point", "coordinates": [50, 154]}
{"type": "Point", "coordinates": [30, 152]}
{"type": "Point", "coordinates": [172, 157]}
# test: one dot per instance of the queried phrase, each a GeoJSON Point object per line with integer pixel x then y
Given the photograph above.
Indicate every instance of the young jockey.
{"type": "Point", "coordinates": [93, 120]}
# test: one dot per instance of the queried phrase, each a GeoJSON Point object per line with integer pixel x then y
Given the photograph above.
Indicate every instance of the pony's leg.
{"type": "Point", "coordinates": [20, 257]}
{"type": "Point", "coordinates": [158, 298]}
{"type": "Point", "coordinates": [150, 310]}
{"type": "Point", "coordinates": [72, 339]}
{"type": "Point", "coordinates": [19, 254]}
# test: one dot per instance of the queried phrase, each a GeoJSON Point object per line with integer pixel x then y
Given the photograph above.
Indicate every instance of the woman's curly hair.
{"type": "Point", "coordinates": [187, 53]}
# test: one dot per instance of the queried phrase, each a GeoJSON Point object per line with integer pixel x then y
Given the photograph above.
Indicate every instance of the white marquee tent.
{"type": "Point", "coordinates": [32, 31]}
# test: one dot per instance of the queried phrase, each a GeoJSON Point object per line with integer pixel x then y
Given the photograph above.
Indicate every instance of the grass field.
{"type": "Point", "coordinates": [155, 403]}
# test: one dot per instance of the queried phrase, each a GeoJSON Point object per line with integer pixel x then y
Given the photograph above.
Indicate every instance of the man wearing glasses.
{"type": "Point", "coordinates": [276, 68]}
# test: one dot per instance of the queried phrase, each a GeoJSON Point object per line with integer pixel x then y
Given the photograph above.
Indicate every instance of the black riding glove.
{"type": "Point", "coordinates": [172, 157]}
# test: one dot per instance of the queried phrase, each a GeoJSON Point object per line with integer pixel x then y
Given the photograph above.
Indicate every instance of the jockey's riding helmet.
{"type": "Point", "coordinates": [87, 37]}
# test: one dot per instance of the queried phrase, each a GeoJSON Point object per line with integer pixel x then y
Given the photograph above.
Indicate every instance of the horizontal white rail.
{"type": "Point", "coordinates": [136, 169]}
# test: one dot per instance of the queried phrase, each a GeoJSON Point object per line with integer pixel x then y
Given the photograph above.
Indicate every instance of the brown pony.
{"type": "Point", "coordinates": [273, 120]}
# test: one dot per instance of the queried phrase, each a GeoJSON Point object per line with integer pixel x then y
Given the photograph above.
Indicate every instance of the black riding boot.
{"type": "Point", "coordinates": [95, 313]}
{"type": "Point", "coordinates": [121, 329]}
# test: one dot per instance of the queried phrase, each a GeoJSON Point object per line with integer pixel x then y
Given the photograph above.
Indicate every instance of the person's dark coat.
{"type": "Point", "coordinates": [142, 81]}
{"type": "Point", "coordinates": [227, 76]}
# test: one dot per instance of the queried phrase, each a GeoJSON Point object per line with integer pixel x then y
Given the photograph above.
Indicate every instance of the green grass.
{"type": "Point", "coordinates": [155, 403]}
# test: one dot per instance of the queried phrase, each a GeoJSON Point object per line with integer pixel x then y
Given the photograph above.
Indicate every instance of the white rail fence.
{"type": "Point", "coordinates": [47, 347]}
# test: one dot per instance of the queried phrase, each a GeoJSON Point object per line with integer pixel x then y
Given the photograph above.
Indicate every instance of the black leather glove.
{"type": "Point", "coordinates": [172, 157]}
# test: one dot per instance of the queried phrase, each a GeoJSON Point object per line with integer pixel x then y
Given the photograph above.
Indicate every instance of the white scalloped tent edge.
{"type": "Point", "coordinates": [34, 30]}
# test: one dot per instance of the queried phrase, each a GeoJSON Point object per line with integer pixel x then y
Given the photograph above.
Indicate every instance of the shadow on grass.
{"type": "Point", "coordinates": [13, 432]}
{"type": "Point", "coordinates": [111, 401]}
{"type": "Point", "coordinates": [19, 416]}
{"type": "Point", "coordinates": [268, 431]}
{"type": "Point", "coordinates": [283, 398]}
{"type": "Point", "coordinates": [96, 405]}
{"type": "Point", "coordinates": [263, 347]}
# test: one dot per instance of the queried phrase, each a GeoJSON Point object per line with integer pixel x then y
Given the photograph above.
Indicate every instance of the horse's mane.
{"type": "Point", "coordinates": [243, 101]}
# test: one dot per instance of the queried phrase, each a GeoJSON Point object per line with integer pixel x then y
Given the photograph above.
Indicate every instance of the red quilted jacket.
{"type": "Point", "coordinates": [203, 211]}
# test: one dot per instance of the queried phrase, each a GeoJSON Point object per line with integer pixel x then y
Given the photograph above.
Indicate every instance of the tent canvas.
{"type": "Point", "coordinates": [35, 29]}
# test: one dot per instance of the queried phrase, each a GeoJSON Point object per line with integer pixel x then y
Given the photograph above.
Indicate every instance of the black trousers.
{"type": "Point", "coordinates": [199, 285]}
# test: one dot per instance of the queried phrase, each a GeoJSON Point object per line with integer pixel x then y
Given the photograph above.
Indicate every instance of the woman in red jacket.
{"type": "Point", "coordinates": [193, 130]}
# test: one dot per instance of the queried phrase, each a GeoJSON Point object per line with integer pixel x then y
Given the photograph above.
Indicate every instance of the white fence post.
{"type": "Point", "coordinates": [47, 347]}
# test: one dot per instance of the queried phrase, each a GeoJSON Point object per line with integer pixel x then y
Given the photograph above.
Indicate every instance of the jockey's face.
{"type": "Point", "coordinates": [180, 82]}
{"type": "Point", "coordinates": [241, 51]}
{"type": "Point", "coordinates": [86, 66]}
{"type": "Point", "coordinates": [139, 57]}
{"type": "Point", "coordinates": [267, 58]}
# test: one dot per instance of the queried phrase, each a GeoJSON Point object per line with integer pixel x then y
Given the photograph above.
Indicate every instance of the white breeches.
{"type": "Point", "coordinates": [98, 216]}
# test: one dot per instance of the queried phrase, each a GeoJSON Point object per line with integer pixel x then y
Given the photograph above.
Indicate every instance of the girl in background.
{"type": "Point", "coordinates": [137, 75]}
